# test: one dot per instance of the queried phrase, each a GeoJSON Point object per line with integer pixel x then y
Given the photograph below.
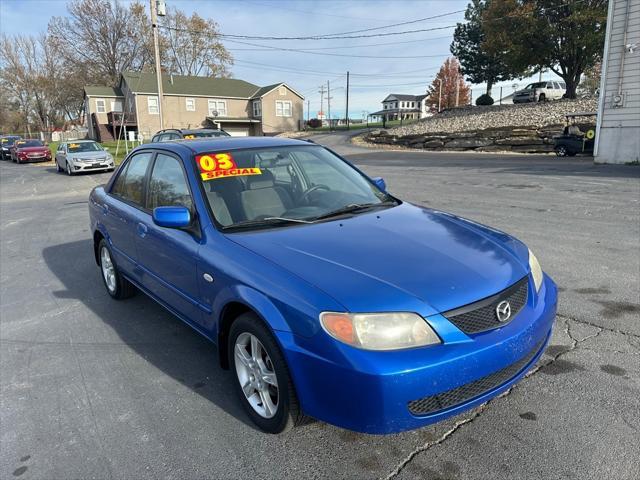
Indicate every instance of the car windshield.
{"type": "Point", "coordinates": [281, 186]}
{"type": "Point", "coordinates": [84, 147]}
{"type": "Point", "coordinates": [205, 134]}
{"type": "Point", "coordinates": [9, 141]}
{"type": "Point", "coordinates": [29, 143]}
{"type": "Point", "coordinates": [531, 86]}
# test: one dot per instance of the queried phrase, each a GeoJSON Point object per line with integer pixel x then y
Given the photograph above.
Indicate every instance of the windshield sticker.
{"type": "Point", "coordinates": [5, 140]}
{"type": "Point", "coordinates": [221, 165]}
{"type": "Point", "coordinates": [74, 145]}
{"type": "Point", "coordinates": [189, 137]}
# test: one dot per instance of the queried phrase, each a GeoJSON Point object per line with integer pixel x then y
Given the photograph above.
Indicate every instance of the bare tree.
{"type": "Point", "coordinates": [191, 46]}
{"type": "Point", "coordinates": [102, 38]}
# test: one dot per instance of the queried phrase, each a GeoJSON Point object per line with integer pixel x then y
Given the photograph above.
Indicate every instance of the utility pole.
{"type": "Point", "coordinates": [457, 92]}
{"type": "Point", "coordinates": [321, 92]}
{"type": "Point", "coordinates": [156, 49]}
{"type": "Point", "coordinates": [329, 103]}
{"type": "Point", "coordinates": [440, 96]}
{"type": "Point", "coordinates": [347, 109]}
{"type": "Point", "coordinates": [308, 110]}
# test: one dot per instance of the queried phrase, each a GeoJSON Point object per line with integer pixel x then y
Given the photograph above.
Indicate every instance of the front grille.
{"type": "Point", "coordinates": [469, 391]}
{"type": "Point", "coordinates": [481, 316]}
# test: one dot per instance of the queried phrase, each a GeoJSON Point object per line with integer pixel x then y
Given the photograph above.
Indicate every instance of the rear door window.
{"type": "Point", "coordinates": [130, 183]}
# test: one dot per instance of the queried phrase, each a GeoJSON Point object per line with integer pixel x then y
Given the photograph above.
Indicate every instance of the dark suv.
{"type": "Point", "coordinates": [177, 134]}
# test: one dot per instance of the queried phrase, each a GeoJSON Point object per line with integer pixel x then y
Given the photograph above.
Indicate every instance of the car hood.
{"type": "Point", "coordinates": [92, 155]}
{"type": "Point", "coordinates": [404, 258]}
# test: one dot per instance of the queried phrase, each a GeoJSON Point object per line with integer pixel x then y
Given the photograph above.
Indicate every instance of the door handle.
{"type": "Point", "coordinates": [142, 229]}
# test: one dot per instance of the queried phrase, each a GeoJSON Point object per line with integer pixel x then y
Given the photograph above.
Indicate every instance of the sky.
{"type": "Point", "coordinates": [378, 66]}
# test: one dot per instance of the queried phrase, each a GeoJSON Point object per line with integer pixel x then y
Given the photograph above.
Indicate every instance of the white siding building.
{"type": "Point", "coordinates": [618, 128]}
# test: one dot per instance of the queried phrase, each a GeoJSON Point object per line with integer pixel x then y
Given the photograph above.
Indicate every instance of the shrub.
{"type": "Point", "coordinates": [484, 100]}
{"type": "Point", "coordinates": [314, 123]}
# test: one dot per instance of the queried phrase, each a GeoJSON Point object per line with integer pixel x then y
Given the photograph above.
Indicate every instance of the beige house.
{"type": "Point", "coordinates": [238, 107]}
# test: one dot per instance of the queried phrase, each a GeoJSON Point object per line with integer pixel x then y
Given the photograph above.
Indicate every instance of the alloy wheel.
{"type": "Point", "coordinates": [69, 169]}
{"type": "Point", "coordinates": [561, 151]}
{"type": "Point", "coordinates": [108, 270]}
{"type": "Point", "coordinates": [256, 375]}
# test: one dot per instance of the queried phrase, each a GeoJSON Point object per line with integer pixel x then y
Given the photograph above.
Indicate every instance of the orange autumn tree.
{"type": "Point", "coordinates": [453, 87]}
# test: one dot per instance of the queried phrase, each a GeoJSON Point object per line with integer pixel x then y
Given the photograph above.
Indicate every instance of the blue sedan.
{"type": "Point", "coordinates": [327, 296]}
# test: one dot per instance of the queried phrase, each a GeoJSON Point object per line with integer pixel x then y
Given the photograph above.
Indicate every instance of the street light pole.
{"type": "Point", "coordinates": [156, 49]}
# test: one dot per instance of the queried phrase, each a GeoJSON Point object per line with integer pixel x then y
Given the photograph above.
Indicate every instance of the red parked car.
{"type": "Point", "coordinates": [24, 151]}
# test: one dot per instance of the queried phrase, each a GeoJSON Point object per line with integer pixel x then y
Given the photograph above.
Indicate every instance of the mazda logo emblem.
{"type": "Point", "coordinates": [503, 311]}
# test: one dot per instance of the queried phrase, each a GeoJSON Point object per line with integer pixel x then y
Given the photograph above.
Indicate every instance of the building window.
{"type": "Point", "coordinates": [152, 105]}
{"type": "Point", "coordinates": [257, 108]}
{"type": "Point", "coordinates": [100, 105]}
{"type": "Point", "coordinates": [219, 106]}
{"type": "Point", "coordinates": [283, 108]}
{"type": "Point", "coordinates": [116, 105]}
{"type": "Point", "coordinates": [190, 104]}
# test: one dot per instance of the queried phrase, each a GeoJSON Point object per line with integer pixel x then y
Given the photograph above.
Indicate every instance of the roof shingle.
{"type": "Point", "coordinates": [145, 82]}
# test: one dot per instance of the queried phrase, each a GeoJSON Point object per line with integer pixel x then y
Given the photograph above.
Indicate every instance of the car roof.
{"type": "Point", "coordinates": [81, 141]}
{"type": "Point", "coordinates": [221, 144]}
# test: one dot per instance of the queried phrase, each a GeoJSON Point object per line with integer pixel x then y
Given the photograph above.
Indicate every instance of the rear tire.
{"type": "Point", "coordinates": [267, 361]}
{"type": "Point", "coordinates": [117, 286]}
{"type": "Point", "coordinates": [58, 169]}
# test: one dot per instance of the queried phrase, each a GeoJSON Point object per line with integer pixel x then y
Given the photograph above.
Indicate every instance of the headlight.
{"type": "Point", "coordinates": [536, 271]}
{"type": "Point", "coordinates": [379, 331]}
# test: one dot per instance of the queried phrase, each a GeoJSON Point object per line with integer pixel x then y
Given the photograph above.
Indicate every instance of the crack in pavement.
{"type": "Point", "coordinates": [575, 342]}
{"type": "Point", "coordinates": [591, 324]}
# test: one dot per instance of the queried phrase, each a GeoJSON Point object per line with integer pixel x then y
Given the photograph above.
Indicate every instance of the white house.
{"type": "Point", "coordinates": [400, 106]}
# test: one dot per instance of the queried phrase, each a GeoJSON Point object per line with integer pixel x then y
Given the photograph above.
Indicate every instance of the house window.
{"type": "Point", "coordinates": [283, 108]}
{"type": "Point", "coordinates": [116, 105]}
{"type": "Point", "coordinates": [219, 106]}
{"type": "Point", "coordinates": [190, 104]}
{"type": "Point", "coordinates": [152, 105]}
{"type": "Point", "coordinates": [257, 108]}
{"type": "Point", "coordinates": [100, 105]}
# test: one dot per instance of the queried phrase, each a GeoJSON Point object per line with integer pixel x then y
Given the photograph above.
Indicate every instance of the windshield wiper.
{"type": "Point", "coordinates": [262, 222]}
{"type": "Point", "coordinates": [352, 208]}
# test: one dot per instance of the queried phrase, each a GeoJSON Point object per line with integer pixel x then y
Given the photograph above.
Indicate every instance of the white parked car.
{"type": "Point", "coordinates": [540, 92]}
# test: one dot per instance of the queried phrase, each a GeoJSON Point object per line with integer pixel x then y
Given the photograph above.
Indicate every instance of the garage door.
{"type": "Point", "coordinates": [237, 132]}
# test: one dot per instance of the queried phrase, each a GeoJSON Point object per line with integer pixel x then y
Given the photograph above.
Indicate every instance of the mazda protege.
{"type": "Point", "coordinates": [326, 295]}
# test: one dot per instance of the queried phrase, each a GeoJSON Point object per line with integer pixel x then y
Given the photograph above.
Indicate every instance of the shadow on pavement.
{"type": "Point", "coordinates": [148, 329]}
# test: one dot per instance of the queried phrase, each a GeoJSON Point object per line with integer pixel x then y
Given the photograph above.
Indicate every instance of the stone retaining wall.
{"type": "Point", "coordinates": [514, 139]}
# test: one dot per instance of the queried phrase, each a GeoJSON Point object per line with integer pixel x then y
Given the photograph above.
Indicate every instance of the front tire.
{"type": "Point", "coordinates": [69, 171]}
{"type": "Point", "coordinates": [561, 151]}
{"type": "Point", "coordinates": [542, 98]}
{"type": "Point", "coordinates": [263, 382]}
{"type": "Point", "coordinates": [117, 286]}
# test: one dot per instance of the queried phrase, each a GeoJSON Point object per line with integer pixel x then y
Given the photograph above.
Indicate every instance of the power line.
{"type": "Point", "coordinates": [295, 50]}
{"type": "Point", "coordinates": [257, 37]}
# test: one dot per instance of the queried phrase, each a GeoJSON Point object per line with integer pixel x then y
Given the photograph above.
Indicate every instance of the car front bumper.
{"type": "Point", "coordinates": [381, 392]}
{"type": "Point", "coordinates": [39, 159]}
{"type": "Point", "coordinates": [91, 167]}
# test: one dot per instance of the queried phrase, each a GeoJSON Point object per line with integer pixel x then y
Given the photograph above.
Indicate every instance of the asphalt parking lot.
{"type": "Point", "coordinates": [93, 388]}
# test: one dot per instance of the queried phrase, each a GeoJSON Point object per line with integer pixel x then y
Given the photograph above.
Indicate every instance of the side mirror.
{"type": "Point", "coordinates": [172, 217]}
{"type": "Point", "coordinates": [380, 183]}
{"type": "Point", "coordinates": [106, 149]}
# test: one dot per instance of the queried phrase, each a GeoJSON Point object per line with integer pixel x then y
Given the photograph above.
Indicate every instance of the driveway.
{"type": "Point", "coordinates": [93, 388]}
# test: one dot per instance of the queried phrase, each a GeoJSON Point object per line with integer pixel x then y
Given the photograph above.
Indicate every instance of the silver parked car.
{"type": "Point", "coordinates": [540, 92]}
{"type": "Point", "coordinates": [82, 156]}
